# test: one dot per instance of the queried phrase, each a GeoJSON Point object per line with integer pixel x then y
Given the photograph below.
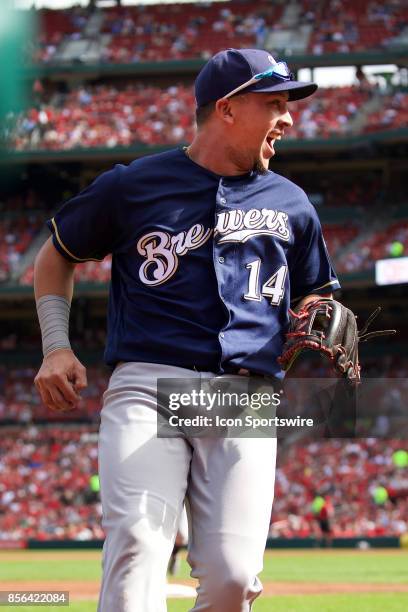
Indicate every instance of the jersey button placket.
{"type": "Point", "coordinates": [221, 201]}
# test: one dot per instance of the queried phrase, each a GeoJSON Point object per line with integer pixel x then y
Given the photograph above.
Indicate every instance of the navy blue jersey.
{"type": "Point", "coordinates": [204, 267]}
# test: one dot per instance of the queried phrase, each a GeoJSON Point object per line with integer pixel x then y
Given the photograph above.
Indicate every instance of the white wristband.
{"type": "Point", "coordinates": [53, 315]}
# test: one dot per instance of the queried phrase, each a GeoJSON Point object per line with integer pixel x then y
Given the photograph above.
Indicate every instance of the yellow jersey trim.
{"type": "Point", "coordinates": [62, 245]}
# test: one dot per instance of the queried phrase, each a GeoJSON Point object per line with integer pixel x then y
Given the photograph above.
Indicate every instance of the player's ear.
{"type": "Point", "coordinates": [224, 110]}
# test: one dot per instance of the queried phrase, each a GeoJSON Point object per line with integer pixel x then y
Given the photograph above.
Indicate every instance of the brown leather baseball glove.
{"type": "Point", "coordinates": [326, 326]}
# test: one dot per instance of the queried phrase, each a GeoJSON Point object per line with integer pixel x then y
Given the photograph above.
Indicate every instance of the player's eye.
{"type": "Point", "coordinates": [281, 107]}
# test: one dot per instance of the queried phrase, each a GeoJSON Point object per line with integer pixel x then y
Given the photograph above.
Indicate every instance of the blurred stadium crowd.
{"type": "Point", "coordinates": [169, 32]}
{"type": "Point", "coordinates": [45, 485]}
{"type": "Point", "coordinates": [349, 475]}
{"type": "Point", "coordinates": [109, 116]}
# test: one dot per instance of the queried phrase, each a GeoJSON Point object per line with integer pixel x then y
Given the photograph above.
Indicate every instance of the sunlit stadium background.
{"type": "Point", "coordinates": [98, 83]}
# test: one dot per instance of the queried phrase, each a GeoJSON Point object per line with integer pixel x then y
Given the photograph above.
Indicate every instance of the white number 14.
{"type": "Point", "coordinates": [274, 287]}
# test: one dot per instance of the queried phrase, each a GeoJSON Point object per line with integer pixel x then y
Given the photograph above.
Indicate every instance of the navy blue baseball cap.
{"type": "Point", "coordinates": [248, 70]}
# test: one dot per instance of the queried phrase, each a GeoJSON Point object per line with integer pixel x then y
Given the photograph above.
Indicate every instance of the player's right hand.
{"type": "Point", "coordinates": [60, 379]}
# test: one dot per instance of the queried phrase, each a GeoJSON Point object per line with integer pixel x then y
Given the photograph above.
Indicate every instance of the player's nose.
{"type": "Point", "coordinates": [287, 119]}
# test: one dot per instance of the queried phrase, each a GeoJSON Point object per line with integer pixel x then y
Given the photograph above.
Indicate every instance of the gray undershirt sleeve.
{"type": "Point", "coordinates": [53, 315]}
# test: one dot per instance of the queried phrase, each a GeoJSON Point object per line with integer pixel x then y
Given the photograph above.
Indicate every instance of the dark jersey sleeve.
{"type": "Point", "coordinates": [85, 226]}
{"type": "Point", "coordinates": [312, 271]}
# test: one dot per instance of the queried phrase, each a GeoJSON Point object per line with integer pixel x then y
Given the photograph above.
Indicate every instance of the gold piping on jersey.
{"type": "Point", "coordinates": [62, 245]}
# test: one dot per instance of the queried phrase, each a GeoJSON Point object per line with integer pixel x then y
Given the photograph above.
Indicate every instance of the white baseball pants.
{"type": "Point", "coordinates": [228, 485]}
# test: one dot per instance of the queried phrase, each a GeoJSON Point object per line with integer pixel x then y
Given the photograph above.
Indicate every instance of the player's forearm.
{"type": "Point", "coordinates": [61, 375]}
{"type": "Point", "coordinates": [53, 274]}
{"type": "Point", "coordinates": [53, 288]}
{"type": "Point", "coordinates": [310, 298]}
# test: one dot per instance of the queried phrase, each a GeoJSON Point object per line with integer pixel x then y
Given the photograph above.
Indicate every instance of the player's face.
{"type": "Point", "coordinates": [261, 119]}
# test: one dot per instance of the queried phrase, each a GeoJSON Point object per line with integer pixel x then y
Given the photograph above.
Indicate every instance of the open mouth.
{"type": "Point", "coordinates": [269, 141]}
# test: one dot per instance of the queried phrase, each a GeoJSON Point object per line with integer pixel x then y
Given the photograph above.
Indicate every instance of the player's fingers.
{"type": "Point", "coordinates": [65, 388]}
{"type": "Point", "coordinates": [243, 372]}
{"type": "Point", "coordinates": [45, 396]}
{"type": "Point", "coordinates": [80, 380]}
{"type": "Point", "coordinates": [59, 401]}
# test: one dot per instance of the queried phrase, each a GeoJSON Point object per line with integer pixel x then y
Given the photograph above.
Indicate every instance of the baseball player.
{"type": "Point", "coordinates": [209, 249]}
{"type": "Point", "coordinates": [324, 515]}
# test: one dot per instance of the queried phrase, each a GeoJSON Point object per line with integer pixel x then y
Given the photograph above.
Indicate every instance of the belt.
{"type": "Point", "coordinates": [233, 370]}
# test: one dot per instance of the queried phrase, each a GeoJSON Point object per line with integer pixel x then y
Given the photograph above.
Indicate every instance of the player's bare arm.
{"type": "Point", "coordinates": [61, 375]}
{"type": "Point", "coordinates": [310, 298]}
